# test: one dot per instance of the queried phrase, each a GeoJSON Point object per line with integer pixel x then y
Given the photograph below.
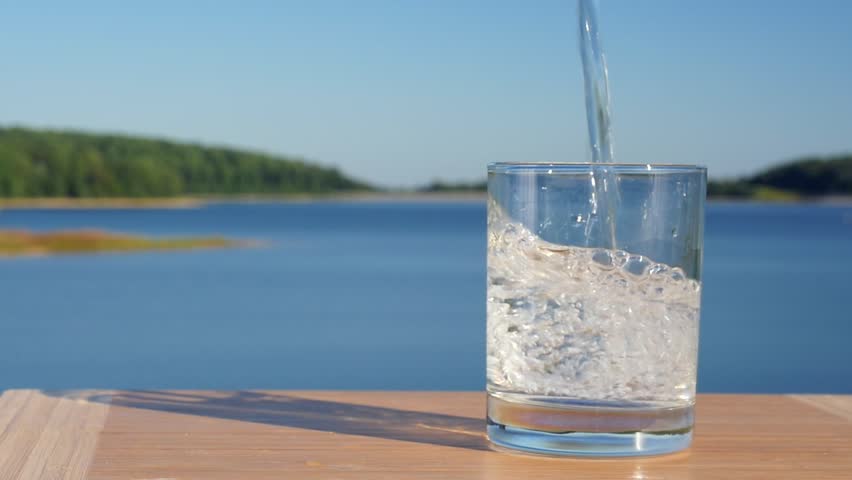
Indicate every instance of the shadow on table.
{"type": "Point", "coordinates": [322, 415]}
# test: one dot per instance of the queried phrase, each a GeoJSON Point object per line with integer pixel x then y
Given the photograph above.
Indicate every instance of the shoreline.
{"type": "Point", "coordinates": [61, 203]}
{"type": "Point", "coordinates": [829, 201]}
{"type": "Point", "coordinates": [190, 202]}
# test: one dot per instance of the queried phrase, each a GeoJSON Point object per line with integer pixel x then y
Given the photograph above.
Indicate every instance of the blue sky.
{"type": "Point", "coordinates": [401, 92]}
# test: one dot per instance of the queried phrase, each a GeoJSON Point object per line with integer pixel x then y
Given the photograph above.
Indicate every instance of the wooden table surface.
{"type": "Point", "coordinates": [253, 435]}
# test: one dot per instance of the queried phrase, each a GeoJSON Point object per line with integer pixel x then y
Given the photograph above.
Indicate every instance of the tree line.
{"type": "Point", "coordinates": [807, 177]}
{"type": "Point", "coordinates": [36, 163]}
{"type": "Point", "coordinates": [39, 163]}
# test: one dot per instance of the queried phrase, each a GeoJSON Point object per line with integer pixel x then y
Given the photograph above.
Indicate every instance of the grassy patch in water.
{"type": "Point", "coordinates": [22, 242]}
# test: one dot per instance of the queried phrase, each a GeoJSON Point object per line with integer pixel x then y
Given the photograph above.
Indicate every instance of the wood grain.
{"type": "Point", "coordinates": [48, 435]}
{"type": "Point", "coordinates": [835, 404]}
{"type": "Point", "coordinates": [358, 435]}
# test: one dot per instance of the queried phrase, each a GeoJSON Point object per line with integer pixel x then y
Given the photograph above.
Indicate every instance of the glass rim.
{"type": "Point", "coordinates": [584, 167]}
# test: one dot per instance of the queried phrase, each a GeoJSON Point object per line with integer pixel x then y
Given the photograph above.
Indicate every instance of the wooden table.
{"type": "Point", "coordinates": [256, 435]}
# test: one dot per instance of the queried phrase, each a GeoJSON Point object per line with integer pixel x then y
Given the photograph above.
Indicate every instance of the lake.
{"type": "Point", "coordinates": [386, 296]}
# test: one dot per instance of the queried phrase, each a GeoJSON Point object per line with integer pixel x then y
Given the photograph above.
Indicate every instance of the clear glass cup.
{"type": "Point", "coordinates": [594, 290]}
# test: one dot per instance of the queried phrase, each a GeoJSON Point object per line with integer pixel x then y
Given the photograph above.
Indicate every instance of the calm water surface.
{"type": "Point", "coordinates": [386, 296]}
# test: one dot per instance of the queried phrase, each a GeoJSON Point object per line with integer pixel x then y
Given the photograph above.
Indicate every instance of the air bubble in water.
{"type": "Point", "coordinates": [587, 323]}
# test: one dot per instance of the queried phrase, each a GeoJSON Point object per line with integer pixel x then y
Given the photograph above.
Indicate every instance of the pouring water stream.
{"type": "Point", "coordinates": [604, 198]}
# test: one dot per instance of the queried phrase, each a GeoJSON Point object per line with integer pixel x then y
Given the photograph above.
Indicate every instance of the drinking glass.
{"type": "Point", "coordinates": [594, 291]}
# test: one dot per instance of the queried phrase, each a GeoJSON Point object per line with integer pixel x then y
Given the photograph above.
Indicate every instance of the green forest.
{"type": "Point", "coordinates": [439, 186]}
{"type": "Point", "coordinates": [807, 177]}
{"type": "Point", "coordinates": [798, 179]}
{"type": "Point", "coordinates": [68, 164]}
{"type": "Point", "coordinates": [37, 163]}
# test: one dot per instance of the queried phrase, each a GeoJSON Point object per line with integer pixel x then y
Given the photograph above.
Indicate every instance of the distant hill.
{"type": "Point", "coordinates": [807, 177]}
{"type": "Point", "coordinates": [39, 163]}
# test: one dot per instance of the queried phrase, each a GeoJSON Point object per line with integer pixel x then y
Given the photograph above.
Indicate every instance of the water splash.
{"type": "Point", "coordinates": [587, 323]}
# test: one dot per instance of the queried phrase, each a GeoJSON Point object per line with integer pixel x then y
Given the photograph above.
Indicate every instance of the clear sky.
{"type": "Point", "coordinates": [399, 92]}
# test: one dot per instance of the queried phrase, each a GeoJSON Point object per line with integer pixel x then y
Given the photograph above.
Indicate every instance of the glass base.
{"type": "Point", "coordinates": [548, 426]}
{"type": "Point", "coordinates": [580, 444]}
